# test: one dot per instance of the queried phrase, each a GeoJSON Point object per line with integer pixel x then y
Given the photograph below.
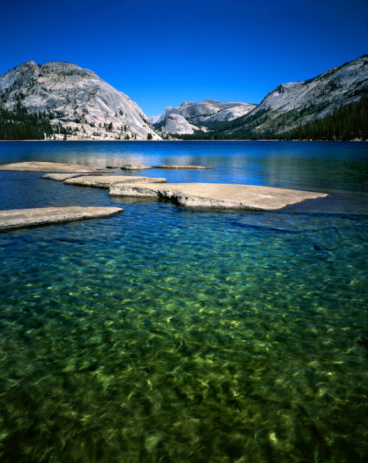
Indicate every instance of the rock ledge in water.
{"type": "Point", "coordinates": [97, 181]}
{"type": "Point", "coordinates": [19, 218]}
{"type": "Point", "coordinates": [35, 166]}
{"type": "Point", "coordinates": [218, 196]}
{"type": "Point", "coordinates": [134, 167]}
{"type": "Point", "coordinates": [63, 177]}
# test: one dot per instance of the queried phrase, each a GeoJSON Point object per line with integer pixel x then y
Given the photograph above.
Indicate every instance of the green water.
{"type": "Point", "coordinates": [165, 334]}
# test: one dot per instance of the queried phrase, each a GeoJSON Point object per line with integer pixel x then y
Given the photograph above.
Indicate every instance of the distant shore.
{"type": "Point", "coordinates": [186, 141]}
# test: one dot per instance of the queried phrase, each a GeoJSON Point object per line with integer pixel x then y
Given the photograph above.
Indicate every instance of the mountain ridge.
{"type": "Point", "coordinates": [80, 104]}
{"type": "Point", "coordinates": [195, 116]}
{"type": "Point", "coordinates": [60, 100]}
{"type": "Point", "coordinates": [289, 105]}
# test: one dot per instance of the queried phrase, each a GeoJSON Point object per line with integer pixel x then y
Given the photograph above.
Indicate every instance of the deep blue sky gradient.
{"type": "Point", "coordinates": [162, 52]}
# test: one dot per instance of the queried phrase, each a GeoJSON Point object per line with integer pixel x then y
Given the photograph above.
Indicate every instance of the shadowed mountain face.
{"type": "Point", "coordinates": [76, 100]}
{"type": "Point", "coordinates": [189, 117]}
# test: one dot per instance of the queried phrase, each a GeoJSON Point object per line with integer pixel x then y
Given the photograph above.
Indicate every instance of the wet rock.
{"type": "Point", "coordinates": [19, 218]}
{"type": "Point", "coordinates": [35, 166]}
{"type": "Point", "coordinates": [218, 196]}
{"type": "Point", "coordinates": [63, 177]}
{"type": "Point", "coordinates": [134, 167]}
{"type": "Point", "coordinates": [97, 181]}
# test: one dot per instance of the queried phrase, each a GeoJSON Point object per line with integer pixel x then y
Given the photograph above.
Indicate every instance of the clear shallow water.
{"type": "Point", "coordinates": [164, 334]}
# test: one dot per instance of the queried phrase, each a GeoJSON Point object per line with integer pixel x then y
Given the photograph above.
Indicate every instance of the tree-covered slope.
{"type": "Point", "coordinates": [18, 124]}
{"type": "Point", "coordinates": [349, 122]}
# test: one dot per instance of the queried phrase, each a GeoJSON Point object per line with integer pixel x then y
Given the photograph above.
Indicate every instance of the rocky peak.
{"type": "Point", "coordinates": [79, 103]}
{"type": "Point", "coordinates": [198, 115]}
{"type": "Point", "coordinates": [59, 68]}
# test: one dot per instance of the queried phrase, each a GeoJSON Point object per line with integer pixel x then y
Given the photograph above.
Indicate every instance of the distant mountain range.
{"type": "Point", "coordinates": [63, 101]}
{"type": "Point", "coordinates": [286, 108]}
{"type": "Point", "coordinates": [189, 117]}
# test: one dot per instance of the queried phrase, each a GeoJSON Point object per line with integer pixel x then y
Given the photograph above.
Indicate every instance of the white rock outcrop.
{"type": "Point", "coordinates": [195, 116]}
{"type": "Point", "coordinates": [77, 100]}
{"type": "Point", "coordinates": [175, 123]}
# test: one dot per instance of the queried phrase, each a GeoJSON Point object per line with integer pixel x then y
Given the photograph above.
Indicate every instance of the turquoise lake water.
{"type": "Point", "coordinates": [175, 335]}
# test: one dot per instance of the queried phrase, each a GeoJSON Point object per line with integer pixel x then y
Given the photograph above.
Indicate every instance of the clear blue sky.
{"type": "Point", "coordinates": [161, 53]}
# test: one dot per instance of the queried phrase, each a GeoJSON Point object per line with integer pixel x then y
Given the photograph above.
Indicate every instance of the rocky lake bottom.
{"type": "Point", "coordinates": [168, 334]}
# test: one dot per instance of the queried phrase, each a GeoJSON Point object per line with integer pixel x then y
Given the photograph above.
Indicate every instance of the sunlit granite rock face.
{"type": "Point", "coordinates": [77, 99]}
{"type": "Point", "coordinates": [175, 123]}
{"type": "Point", "coordinates": [296, 103]}
{"type": "Point", "coordinates": [195, 116]}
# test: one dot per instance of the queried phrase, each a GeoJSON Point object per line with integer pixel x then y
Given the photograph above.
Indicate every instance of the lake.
{"type": "Point", "coordinates": [169, 334]}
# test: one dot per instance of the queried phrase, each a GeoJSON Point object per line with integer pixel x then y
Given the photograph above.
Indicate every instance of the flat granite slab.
{"type": "Point", "coordinates": [98, 181]}
{"type": "Point", "coordinates": [172, 166]}
{"type": "Point", "coordinates": [63, 177]}
{"type": "Point", "coordinates": [219, 196]}
{"type": "Point", "coordinates": [35, 166]}
{"type": "Point", "coordinates": [19, 218]}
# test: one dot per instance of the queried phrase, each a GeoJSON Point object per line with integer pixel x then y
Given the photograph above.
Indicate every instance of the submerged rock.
{"type": "Point", "coordinates": [19, 218]}
{"type": "Point", "coordinates": [36, 166]}
{"type": "Point", "coordinates": [134, 167]}
{"type": "Point", "coordinates": [106, 181]}
{"type": "Point", "coordinates": [218, 196]}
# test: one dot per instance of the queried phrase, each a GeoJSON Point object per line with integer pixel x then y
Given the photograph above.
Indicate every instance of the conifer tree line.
{"type": "Point", "coordinates": [346, 123]}
{"type": "Point", "coordinates": [18, 124]}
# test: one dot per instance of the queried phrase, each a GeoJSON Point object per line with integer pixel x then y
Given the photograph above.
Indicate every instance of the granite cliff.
{"type": "Point", "coordinates": [190, 117]}
{"type": "Point", "coordinates": [297, 103]}
{"type": "Point", "coordinates": [80, 104]}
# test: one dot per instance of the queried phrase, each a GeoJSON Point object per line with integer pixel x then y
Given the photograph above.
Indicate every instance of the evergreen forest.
{"type": "Point", "coordinates": [19, 124]}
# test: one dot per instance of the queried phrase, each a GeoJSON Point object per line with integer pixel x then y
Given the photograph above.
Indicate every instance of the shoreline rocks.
{"type": "Point", "coordinates": [37, 166]}
{"type": "Point", "coordinates": [20, 218]}
{"type": "Point", "coordinates": [134, 167]}
{"type": "Point", "coordinates": [218, 196]}
{"type": "Point", "coordinates": [63, 177]}
{"type": "Point", "coordinates": [97, 181]}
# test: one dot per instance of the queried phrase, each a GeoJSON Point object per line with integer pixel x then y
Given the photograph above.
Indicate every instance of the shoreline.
{"type": "Point", "coordinates": [169, 141]}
